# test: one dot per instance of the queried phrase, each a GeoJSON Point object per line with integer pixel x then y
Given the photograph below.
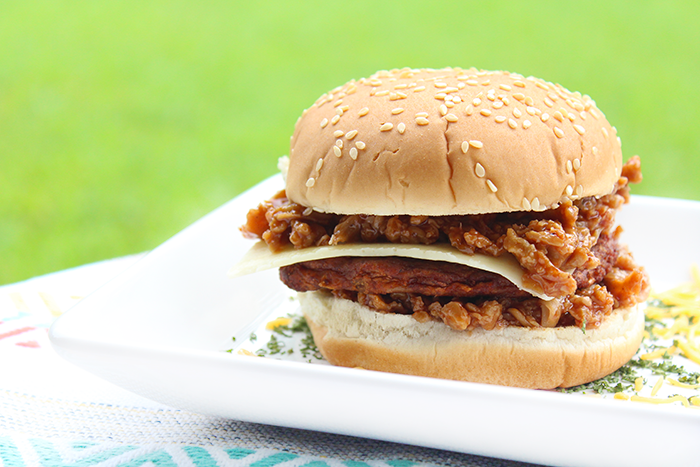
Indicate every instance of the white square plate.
{"type": "Point", "coordinates": [160, 328]}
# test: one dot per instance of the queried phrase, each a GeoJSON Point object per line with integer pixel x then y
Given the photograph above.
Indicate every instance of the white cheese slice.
{"type": "Point", "coordinates": [260, 258]}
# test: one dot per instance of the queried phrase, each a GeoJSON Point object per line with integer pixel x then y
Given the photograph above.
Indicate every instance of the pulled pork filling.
{"type": "Point", "coordinates": [569, 253]}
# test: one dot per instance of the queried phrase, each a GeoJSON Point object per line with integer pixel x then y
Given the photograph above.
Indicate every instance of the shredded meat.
{"type": "Point", "coordinates": [569, 252]}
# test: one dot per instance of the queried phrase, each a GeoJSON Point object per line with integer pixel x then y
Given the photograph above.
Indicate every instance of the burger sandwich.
{"type": "Point", "coordinates": [457, 224]}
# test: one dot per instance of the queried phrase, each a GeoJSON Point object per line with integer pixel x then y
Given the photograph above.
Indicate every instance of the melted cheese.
{"type": "Point", "coordinates": [260, 258]}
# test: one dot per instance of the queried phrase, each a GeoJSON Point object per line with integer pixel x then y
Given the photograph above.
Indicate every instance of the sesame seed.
{"type": "Point", "coordinates": [345, 108]}
{"type": "Point", "coordinates": [491, 96]}
{"type": "Point", "coordinates": [505, 100]}
{"type": "Point", "coordinates": [335, 119]}
{"type": "Point", "coordinates": [548, 102]}
{"type": "Point", "coordinates": [310, 182]}
{"type": "Point", "coordinates": [337, 151]}
{"type": "Point", "coordinates": [472, 82]}
{"type": "Point", "coordinates": [527, 124]}
{"type": "Point", "coordinates": [531, 110]}
{"type": "Point", "coordinates": [491, 185]}
{"type": "Point", "coordinates": [363, 111]}
{"type": "Point", "coordinates": [512, 123]}
{"type": "Point", "coordinates": [544, 117]}
{"type": "Point", "coordinates": [517, 113]}
{"type": "Point", "coordinates": [469, 110]}
{"type": "Point", "coordinates": [579, 129]}
{"type": "Point", "coordinates": [476, 144]}
{"type": "Point", "coordinates": [386, 126]}
{"type": "Point", "coordinates": [535, 203]}
{"type": "Point", "coordinates": [401, 86]}
{"type": "Point", "coordinates": [375, 82]}
{"type": "Point", "coordinates": [360, 145]}
{"type": "Point", "coordinates": [526, 204]}
{"type": "Point", "coordinates": [397, 110]}
{"type": "Point", "coordinates": [558, 116]}
{"type": "Point", "coordinates": [351, 134]}
{"type": "Point", "coordinates": [529, 101]}
{"type": "Point", "coordinates": [339, 143]}
{"type": "Point", "coordinates": [569, 167]}
{"type": "Point", "coordinates": [422, 120]}
{"type": "Point", "coordinates": [500, 119]}
{"type": "Point", "coordinates": [577, 164]}
{"type": "Point", "coordinates": [569, 190]}
{"type": "Point", "coordinates": [505, 87]}
{"type": "Point", "coordinates": [465, 146]}
{"type": "Point", "coordinates": [519, 84]}
{"type": "Point", "coordinates": [308, 211]}
{"type": "Point", "coordinates": [497, 104]}
{"type": "Point", "coordinates": [594, 150]}
{"type": "Point", "coordinates": [485, 112]}
{"type": "Point", "coordinates": [395, 96]}
{"type": "Point", "coordinates": [519, 96]}
{"type": "Point", "coordinates": [419, 89]}
{"type": "Point", "coordinates": [579, 190]}
{"type": "Point", "coordinates": [401, 127]}
{"type": "Point", "coordinates": [456, 99]}
{"type": "Point", "coordinates": [382, 93]}
{"type": "Point", "coordinates": [338, 133]}
{"type": "Point", "coordinates": [486, 83]}
{"type": "Point", "coordinates": [541, 85]}
{"type": "Point", "coordinates": [353, 154]}
{"type": "Point", "coordinates": [440, 85]}
{"type": "Point", "coordinates": [552, 96]}
{"type": "Point", "coordinates": [440, 96]}
{"type": "Point", "coordinates": [479, 170]}
{"type": "Point", "coordinates": [443, 110]}
{"type": "Point", "coordinates": [451, 89]}
{"type": "Point", "coordinates": [476, 102]}
{"type": "Point", "coordinates": [559, 132]}
{"type": "Point", "coordinates": [461, 85]}
{"type": "Point", "coordinates": [593, 112]}
{"type": "Point", "coordinates": [422, 114]}
{"type": "Point", "coordinates": [605, 132]}
{"type": "Point", "coordinates": [583, 115]}
{"type": "Point", "coordinates": [452, 118]}
{"type": "Point", "coordinates": [319, 164]}
{"type": "Point", "coordinates": [324, 123]}
{"type": "Point", "coordinates": [338, 102]}
{"type": "Point", "coordinates": [339, 111]}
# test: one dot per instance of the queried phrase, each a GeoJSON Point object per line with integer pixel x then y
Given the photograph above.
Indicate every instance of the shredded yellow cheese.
{"type": "Point", "coordinates": [638, 384]}
{"type": "Point", "coordinates": [657, 386]}
{"type": "Point", "coordinates": [246, 352]}
{"type": "Point", "coordinates": [673, 382]}
{"type": "Point", "coordinates": [683, 309]}
{"type": "Point", "coordinates": [661, 400]}
{"type": "Point", "coordinates": [275, 323]}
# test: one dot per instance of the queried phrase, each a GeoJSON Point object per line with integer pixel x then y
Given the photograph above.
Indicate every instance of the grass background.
{"type": "Point", "coordinates": [121, 122]}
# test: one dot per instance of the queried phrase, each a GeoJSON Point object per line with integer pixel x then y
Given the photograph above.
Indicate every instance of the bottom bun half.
{"type": "Point", "coordinates": [351, 335]}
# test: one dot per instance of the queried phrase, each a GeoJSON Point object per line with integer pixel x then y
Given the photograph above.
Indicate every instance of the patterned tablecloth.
{"type": "Point", "coordinates": [55, 414]}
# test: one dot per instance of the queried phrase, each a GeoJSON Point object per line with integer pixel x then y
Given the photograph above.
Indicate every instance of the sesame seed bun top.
{"type": "Point", "coordinates": [450, 141]}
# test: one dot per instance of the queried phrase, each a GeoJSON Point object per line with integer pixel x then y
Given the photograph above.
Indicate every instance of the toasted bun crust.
{"type": "Point", "coordinates": [350, 335]}
{"type": "Point", "coordinates": [451, 141]}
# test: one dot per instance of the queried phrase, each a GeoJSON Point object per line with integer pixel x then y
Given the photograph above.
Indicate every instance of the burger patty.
{"type": "Point", "coordinates": [387, 275]}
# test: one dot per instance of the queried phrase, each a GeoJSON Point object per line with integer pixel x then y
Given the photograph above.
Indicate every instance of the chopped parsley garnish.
{"type": "Point", "coordinates": [282, 337]}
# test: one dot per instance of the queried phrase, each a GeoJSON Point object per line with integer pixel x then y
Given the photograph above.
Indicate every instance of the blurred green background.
{"type": "Point", "coordinates": [121, 122]}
